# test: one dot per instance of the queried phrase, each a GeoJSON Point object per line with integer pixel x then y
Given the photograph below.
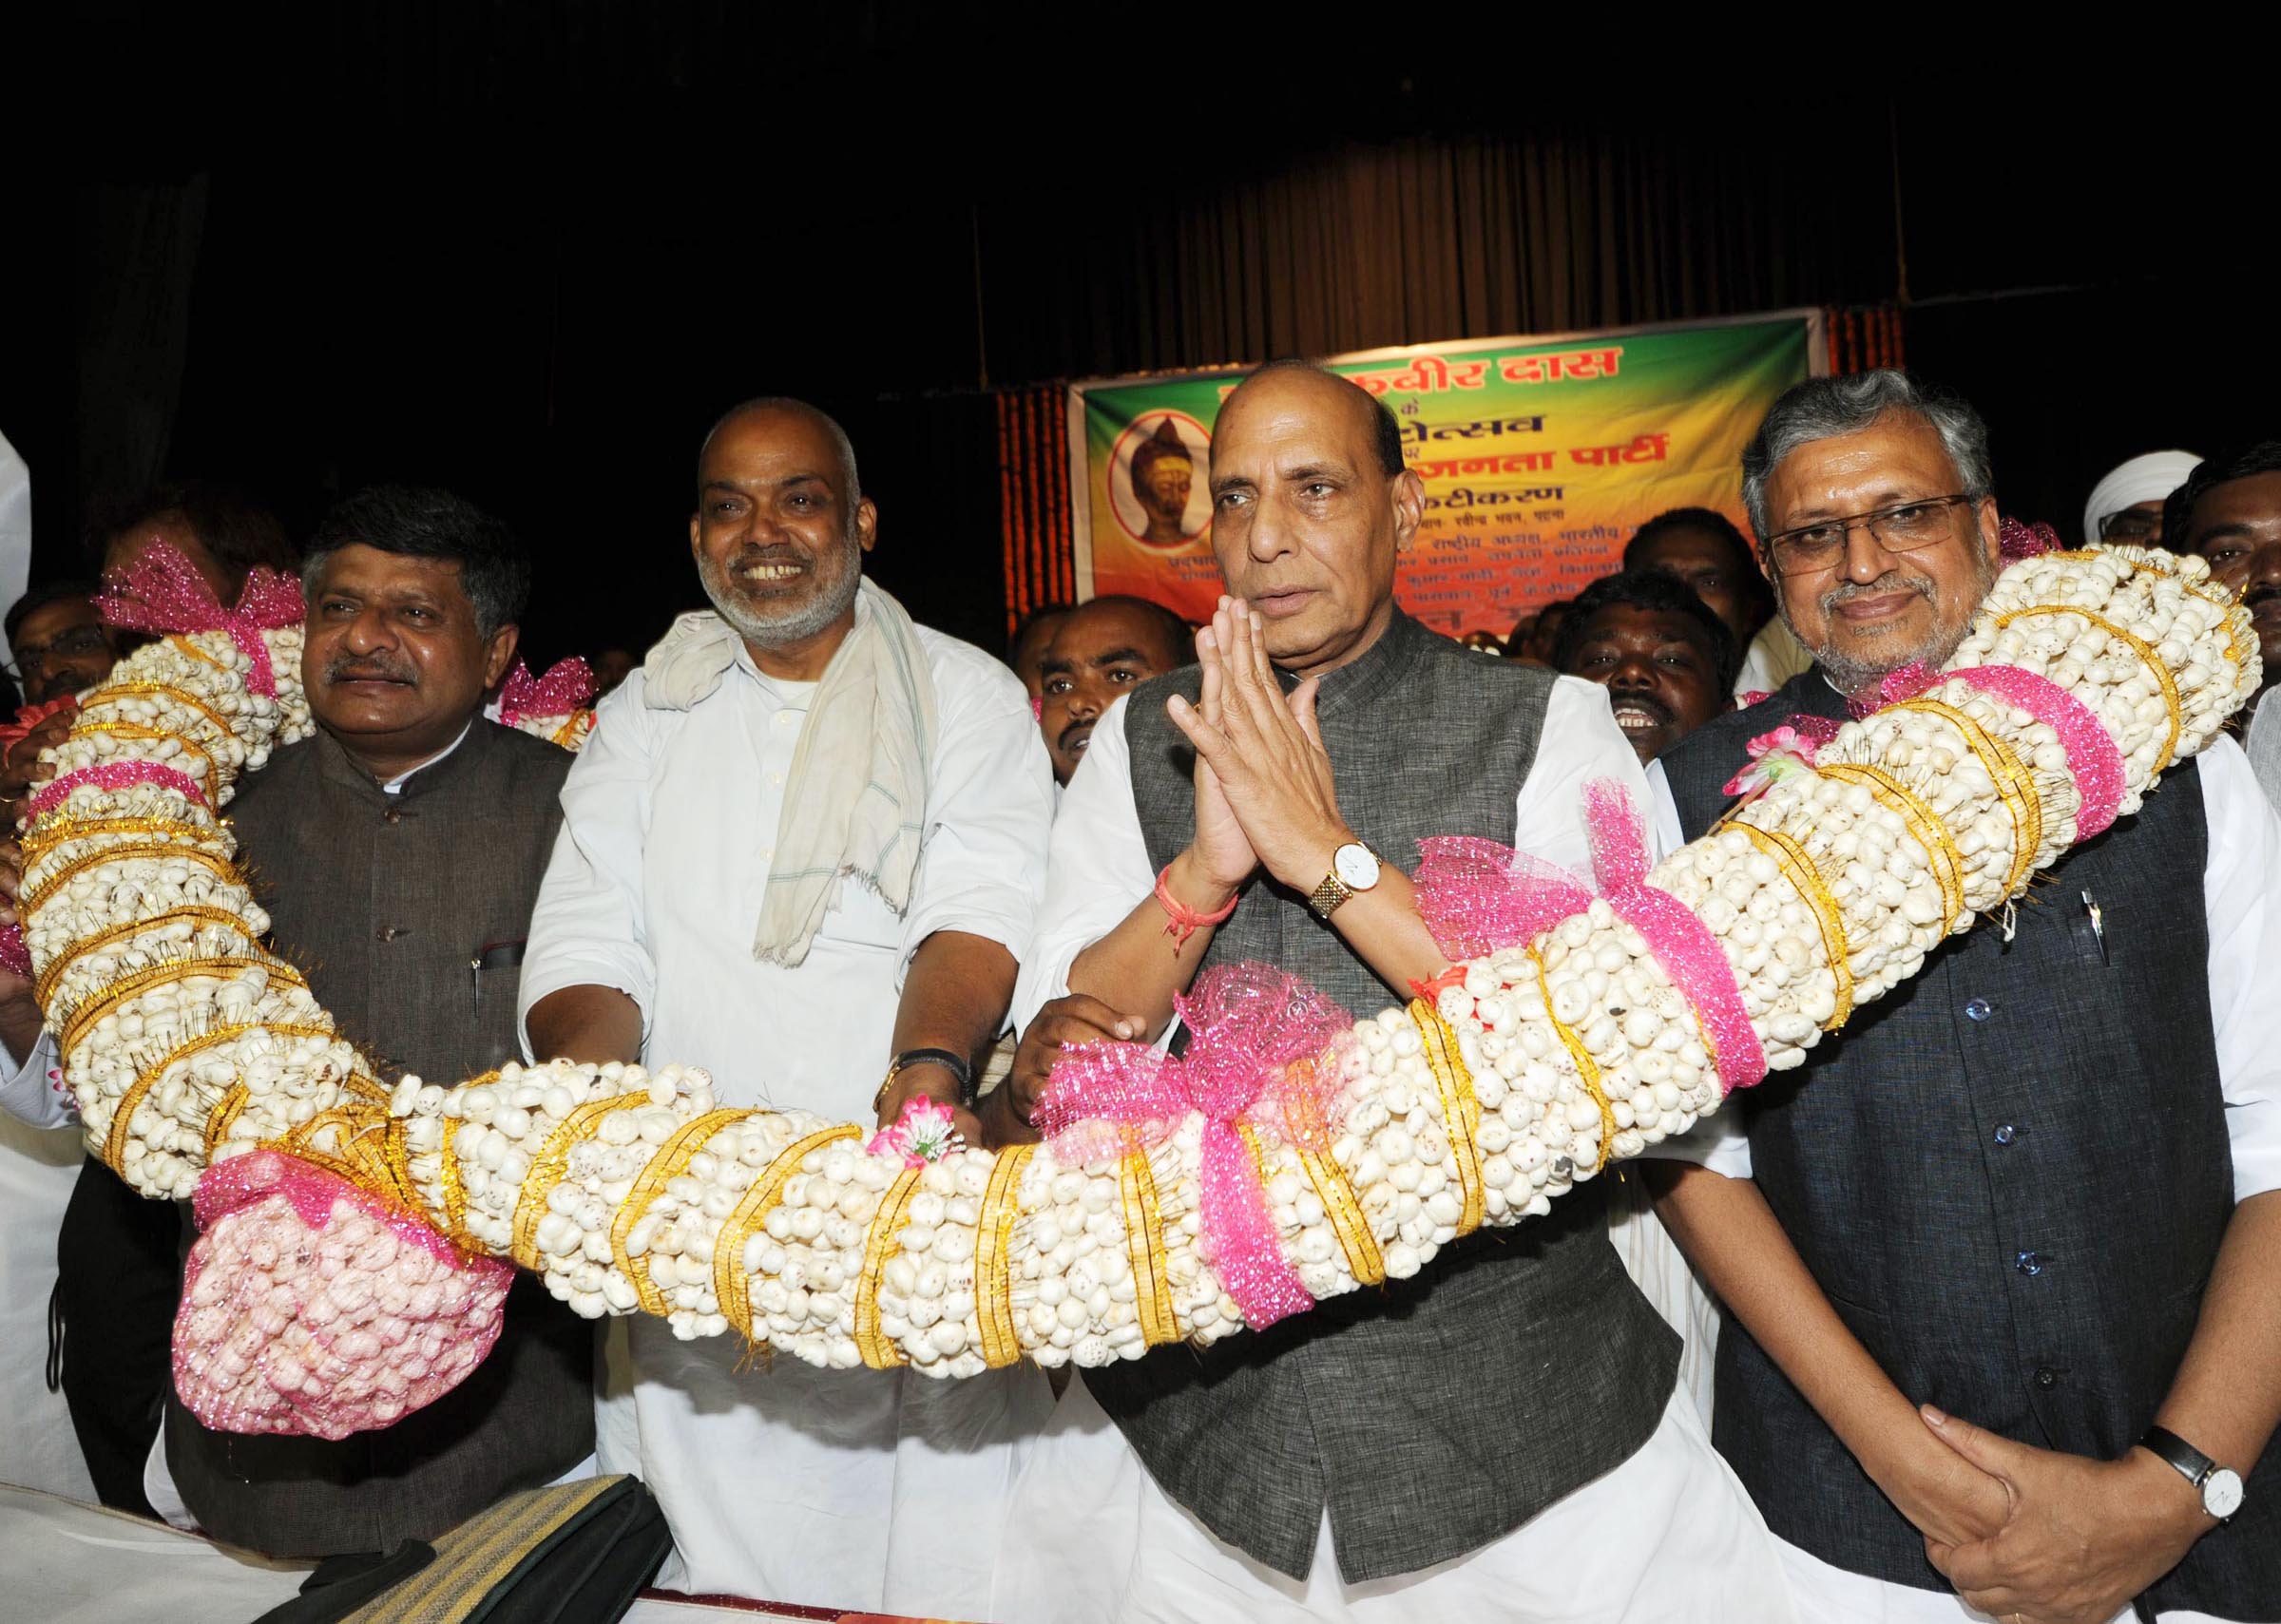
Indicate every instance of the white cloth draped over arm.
{"type": "Point", "coordinates": [587, 926]}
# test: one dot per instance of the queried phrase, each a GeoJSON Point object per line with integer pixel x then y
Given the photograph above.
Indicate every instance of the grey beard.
{"type": "Point", "coordinates": [1854, 677]}
{"type": "Point", "coordinates": [801, 625]}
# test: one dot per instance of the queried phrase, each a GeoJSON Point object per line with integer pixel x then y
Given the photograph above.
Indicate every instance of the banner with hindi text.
{"type": "Point", "coordinates": [1539, 457]}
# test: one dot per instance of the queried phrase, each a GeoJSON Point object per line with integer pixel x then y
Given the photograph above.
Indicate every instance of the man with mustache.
{"type": "Point", "coordinates": [397, 853]}
{"type": "Point", "coordinates": [2229, 510]}
{"type": "Point", "coordinates": [801, 850]}
{"type": "Point", "coordinates": [2038, 1195]}
{"type": "Point", "coordinates": [1101, 650]}
{"type": "Point", "coordinates": [1497, 1437]}
{"type": "Point", "coordinates": [1665, 659]}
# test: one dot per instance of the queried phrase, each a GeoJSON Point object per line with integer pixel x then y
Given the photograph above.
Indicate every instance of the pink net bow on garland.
{"type": "Point", "coordinates": [162, 592]}
{"type": "Point", "coordinates": [569, 684]}
{"type": "Point", "coordinates": [1264, 1052]}
{"type": "Point", "coordinates": [1478, 896]}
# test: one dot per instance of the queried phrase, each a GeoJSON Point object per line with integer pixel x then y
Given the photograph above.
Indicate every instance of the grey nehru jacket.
{"type": "Point", "coordinates": [1443, 1412]}
{"type": "Point", "coordinates": [387, 901]}
{"type": "Point", "coordinates": [2010, 1177]}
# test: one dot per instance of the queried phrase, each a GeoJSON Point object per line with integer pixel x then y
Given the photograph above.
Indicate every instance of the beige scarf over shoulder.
{"type": "Point", "coordinates": [855, 802]}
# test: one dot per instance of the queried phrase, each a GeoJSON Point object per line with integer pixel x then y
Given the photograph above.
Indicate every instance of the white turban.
{"type": "Point", "coordinates": [2149, 478]}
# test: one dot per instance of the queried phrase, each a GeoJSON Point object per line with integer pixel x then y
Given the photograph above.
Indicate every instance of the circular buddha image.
{"type": "Point", "coordinates": [1160, 485]}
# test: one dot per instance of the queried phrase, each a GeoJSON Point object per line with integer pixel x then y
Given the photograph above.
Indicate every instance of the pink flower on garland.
{"type": "Point", "coordinates": [1790, 748]}
{"type": "Point", "coordinates": [925, 1132]}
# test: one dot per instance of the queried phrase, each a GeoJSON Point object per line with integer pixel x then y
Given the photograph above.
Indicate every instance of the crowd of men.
{"type": "Point", "coordinates": [1999, 1269]}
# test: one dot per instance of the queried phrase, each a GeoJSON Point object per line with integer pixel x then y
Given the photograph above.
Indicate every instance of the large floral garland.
{"type": "Point", "coordinates": [349, 1269]}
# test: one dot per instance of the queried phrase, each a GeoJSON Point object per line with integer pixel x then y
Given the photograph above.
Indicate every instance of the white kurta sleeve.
{"type": "Point", "coordinates": [989, 809]}
{"type": "Point", "coordinates": [587, 926]}
{"type": "Point", "coordinates": [33, 1091]}
{"type": "Point", "coordinates": [2241, 897]}
{"type": "Point", "coordinates": [1097, 866]}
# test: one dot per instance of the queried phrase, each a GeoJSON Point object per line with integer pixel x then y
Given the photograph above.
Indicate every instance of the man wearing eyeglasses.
{"type": "Point", "coordinates": [60, 643]}
{"type": "Point", "coordinates": [2001, 1265]}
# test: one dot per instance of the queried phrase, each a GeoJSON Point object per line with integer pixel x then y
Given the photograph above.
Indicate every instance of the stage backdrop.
{"type": "Point", "coordinates": [1541, 457]}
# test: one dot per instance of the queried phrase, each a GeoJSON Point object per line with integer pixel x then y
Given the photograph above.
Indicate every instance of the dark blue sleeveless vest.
{"type": "Point", "coordinates": [2010, 1177]}
{"type": "Point", "coordinates": [1444, 1411]}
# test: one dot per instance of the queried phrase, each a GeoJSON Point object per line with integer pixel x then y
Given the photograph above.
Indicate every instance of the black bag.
{"type": "Point", "coordinates": [575, 1553]}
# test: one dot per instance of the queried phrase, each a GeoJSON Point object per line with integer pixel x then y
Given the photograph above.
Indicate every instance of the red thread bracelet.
{"type": "Point", "coordinates": [1184, 921]}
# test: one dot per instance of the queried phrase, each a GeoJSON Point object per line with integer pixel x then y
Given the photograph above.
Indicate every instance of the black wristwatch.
{"type": "Point", "coordinates": [2220, 1486]}
{"type": "Point", "coordinates": [957, 1065]}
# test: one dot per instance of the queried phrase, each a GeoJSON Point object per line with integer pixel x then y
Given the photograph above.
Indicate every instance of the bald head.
{"type": "Point", "coordinates": [784, 406]}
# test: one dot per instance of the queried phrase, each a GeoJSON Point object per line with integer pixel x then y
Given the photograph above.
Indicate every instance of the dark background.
{"type": "Point", "coordinates": [531, 252]}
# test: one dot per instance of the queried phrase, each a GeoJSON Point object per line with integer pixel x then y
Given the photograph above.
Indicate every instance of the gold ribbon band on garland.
{"type": "Point", "coordinates": [1923, 824]}
{"type": "Point", "coordinates": [127, 929]}
{"type": "Point", "coordinates": [110, 694]}
{"type": "Point", "coordinates": [659, 1171]}
{"type": "Point", "coordinates": [1587, 1068]}
{"type": "Point", "coordinates": [224, 1115]}
{"type": "Point", "coordinates": [2015, 785]}
{"type": "Point", "coordinates": [1366, 1260]}
{"type": "Point", "coordinates": [209, 770]}
{"type": "Point", "coordinates": [1461, 1112]}
{"type": "Point", "coordinates": [732, 1287]}
{"type": "Point", "coordinates": [1805, 880]}
{"type": "Point", "coordinates": [546, 1172]}
{"type": "Point", "coordinates": [1144, 1245]}
{"type": "Point", "coordinates": [879, 1249]}
{"type": "Point", "coordinates": [114, 1139]}
{"type": "Point", "coordinates": [38, 895]}
{"type": "Point", "coordinates": [993, 1272]}
{"type": "Point", "coordinates": [123, 989]}
{"type": "Point", "coordinates": [53, 832]}
{"type": "Point", "coordinates": [2138, 645]}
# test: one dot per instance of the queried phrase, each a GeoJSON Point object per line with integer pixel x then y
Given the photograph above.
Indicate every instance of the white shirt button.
{"type": "Point", "coordinates": [775, 777]}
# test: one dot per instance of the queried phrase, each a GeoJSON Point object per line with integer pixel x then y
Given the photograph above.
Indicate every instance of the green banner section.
{"type": "Point", "coordinates": [1540, 458]}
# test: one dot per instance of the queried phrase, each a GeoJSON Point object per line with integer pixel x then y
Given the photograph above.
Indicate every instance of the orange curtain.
{"type": "Point", "coordinates": [1034, 500]}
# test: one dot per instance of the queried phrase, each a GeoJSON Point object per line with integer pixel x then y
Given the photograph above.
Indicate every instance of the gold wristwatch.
{"type": "Point", "coordinates": [1354, 868]}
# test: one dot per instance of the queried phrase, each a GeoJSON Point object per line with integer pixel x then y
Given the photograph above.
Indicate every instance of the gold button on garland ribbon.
{"type": "Point", "coordinates": [1587, 1068]}
{"type": "Point", "coordinates": [993, 1273]}
{"type": "Point", "coordinates": [732, 1286]}
{"type": "Point", "coordinates": [1922, 822]}
{"type": "Point", "coordinates": [1807, 881]}
{"type": "Point", "coordinates": [1461, 1112]}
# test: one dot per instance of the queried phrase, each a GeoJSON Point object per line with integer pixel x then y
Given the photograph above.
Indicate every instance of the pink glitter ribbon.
{"type": "Point", "coordinates": [15, 958]}
{"type": "Point", "coordinates": [2093, 758]}
{"type": "Point", "coordinates": [115, 776]}
{"type": "Point", "coordinates": [161, 592]}
{"type": "Point", "coordinates": [569, 684]}
{"type": "Point", "coordinates": [1477, 896]}
{"type": "Point", "coordinates": [1262, 1052]}
{"type": "Point", "coordinates": [2016, 540]}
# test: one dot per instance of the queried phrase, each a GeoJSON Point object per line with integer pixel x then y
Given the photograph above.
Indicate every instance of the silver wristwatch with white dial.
{"type": "Point", "coordinates": [1354, 868]}
{"type": "Point", "coordinates": [2220, 1487]}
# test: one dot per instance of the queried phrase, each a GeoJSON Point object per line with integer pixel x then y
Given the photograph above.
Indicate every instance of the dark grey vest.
{"type": "Point", "coordinates": [387, 901]}
{"type": "Point", "coordinates": [1443, 1412]}
{"type": "Point", "coordinates": [2011, 1178]}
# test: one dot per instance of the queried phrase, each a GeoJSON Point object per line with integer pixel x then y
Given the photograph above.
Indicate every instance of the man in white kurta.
{"type": "Point", "coordinates": [850, 1488]}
